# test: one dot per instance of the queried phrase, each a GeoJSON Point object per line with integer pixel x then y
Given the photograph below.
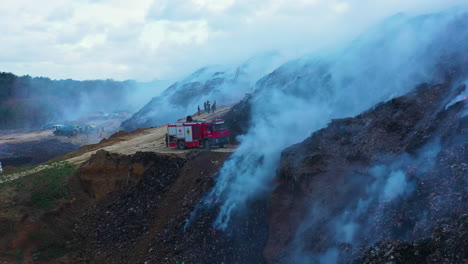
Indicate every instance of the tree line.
{"type": "Point", "coordinates": [29, 102]}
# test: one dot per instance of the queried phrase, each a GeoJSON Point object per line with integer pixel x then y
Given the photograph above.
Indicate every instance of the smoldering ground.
{"type": "Point", "coordinates": [304, 95]}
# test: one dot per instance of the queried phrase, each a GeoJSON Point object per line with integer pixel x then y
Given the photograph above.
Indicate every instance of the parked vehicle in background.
{"type": "Point", "coordinates": [62, 130]}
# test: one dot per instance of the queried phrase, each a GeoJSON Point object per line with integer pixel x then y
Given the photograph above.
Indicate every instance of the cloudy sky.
{"type": "Point", "coordinates": [167, 39]}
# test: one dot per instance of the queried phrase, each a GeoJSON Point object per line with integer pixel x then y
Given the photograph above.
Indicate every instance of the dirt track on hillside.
{"type": "Point", "coordinates": [143, 140]}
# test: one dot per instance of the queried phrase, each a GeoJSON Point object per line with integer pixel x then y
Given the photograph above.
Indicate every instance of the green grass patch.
{"type": "Point", "coordinates": [41, 189]}
{"type": "Point", "coordinates": [51, 184]}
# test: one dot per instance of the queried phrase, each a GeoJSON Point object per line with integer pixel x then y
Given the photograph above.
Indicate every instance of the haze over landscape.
{"type": "Point", "coordinates": [234, 131]}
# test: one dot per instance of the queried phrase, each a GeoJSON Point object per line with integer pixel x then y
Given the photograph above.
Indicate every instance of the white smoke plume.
{"type": "Point", "coordinates": [302, 96]}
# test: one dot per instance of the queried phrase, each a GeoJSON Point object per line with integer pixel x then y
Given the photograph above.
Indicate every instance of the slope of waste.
{"type": "Point", "coordinates": [446, 244]}
{"type": "Point", "coordinates": [224, 84]}
{"type": "Point", "coordinates": [146, 220]}
{"type": "Point", "coordinates": [388, 174]}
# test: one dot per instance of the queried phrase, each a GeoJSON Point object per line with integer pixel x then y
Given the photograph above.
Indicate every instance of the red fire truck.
{"type": "Point", "coordinates": [197, 133]}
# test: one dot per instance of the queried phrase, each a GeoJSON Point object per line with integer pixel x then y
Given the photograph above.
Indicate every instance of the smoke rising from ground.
{"type": "Point", "coordinates": [392, 183]}
{"type": "Point", "coordinates": [302, 96]}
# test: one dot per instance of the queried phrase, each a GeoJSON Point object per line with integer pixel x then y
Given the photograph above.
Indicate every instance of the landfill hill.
{"type": "Point", "coordinates": [333, 168]}
{"type": "Point", "coordinates": [394, 174]}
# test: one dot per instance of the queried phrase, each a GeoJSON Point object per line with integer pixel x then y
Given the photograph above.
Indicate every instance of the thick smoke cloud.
{"type": "Point", "coordinates": [302, 96]}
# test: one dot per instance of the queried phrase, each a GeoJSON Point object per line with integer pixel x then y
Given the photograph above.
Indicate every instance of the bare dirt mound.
{"type": "Point", "coordinates": [105, 172]}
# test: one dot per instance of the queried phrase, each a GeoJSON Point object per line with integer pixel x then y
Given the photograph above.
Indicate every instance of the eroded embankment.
{"type": "Point", "coordinates": [145, 222]}
{"type": "Point", "coordinates": [115, 205]}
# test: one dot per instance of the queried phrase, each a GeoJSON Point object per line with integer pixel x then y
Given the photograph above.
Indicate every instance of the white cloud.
{"type": "Point", "coordinates": [147, 39]}
{"type": "Point", "coordinates": [157, 33]}
{"type": "Point", "coordinates": [340, 7]}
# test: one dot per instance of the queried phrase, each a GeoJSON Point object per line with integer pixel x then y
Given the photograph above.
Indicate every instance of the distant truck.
{"type": "Point", "coordinates": [62, 130]}
{"type": "Point", "coordinates": [197, 133]}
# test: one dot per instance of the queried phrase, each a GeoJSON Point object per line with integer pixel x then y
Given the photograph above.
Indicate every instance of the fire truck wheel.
{"type": "Point", "coordinates": [206, 144]}
{"type": "Point", "coordinates": [181, 144]}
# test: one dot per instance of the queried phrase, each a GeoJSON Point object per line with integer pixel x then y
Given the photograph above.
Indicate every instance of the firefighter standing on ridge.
{"type": "Point", "coordinates": [208, 106]}
{"type": "Point", "coordinates": [213, 107]}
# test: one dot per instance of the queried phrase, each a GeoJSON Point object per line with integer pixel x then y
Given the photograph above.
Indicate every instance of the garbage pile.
{"type": "Point", "coordinates": [152, 222]}
{"type": "Point", "coordinates": [327, 187]}
{"type": "Point", "coordinates": [447, 244]}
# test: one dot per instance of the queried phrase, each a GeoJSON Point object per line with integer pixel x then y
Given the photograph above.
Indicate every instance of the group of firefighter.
{"type": "Point", "coordinates": [208, 107]}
